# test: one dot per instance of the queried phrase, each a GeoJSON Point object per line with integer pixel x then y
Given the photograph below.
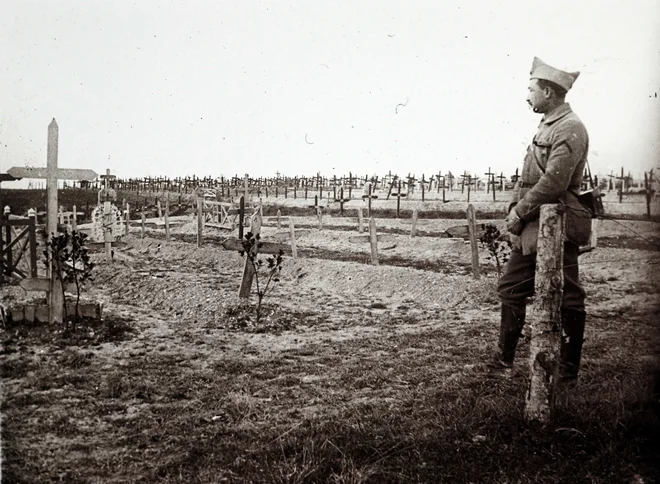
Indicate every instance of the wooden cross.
{"type": "Point", "coordinates": [411, 183]}
{"type": "Point", "coordinates": [450, 177]}
{"type": "Point", "coordinates": [501, 178]}
{"type": "Point", "coordinates": [52, 174]}
{"type": "Point", "coordinates": [490, 174]}
{"type": "Point", "coordinates": [621, 185]}
{"type": "Point", "coordinates": [463, 178]}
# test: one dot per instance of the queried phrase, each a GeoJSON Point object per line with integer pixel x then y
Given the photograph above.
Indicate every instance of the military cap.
{"type": "Point", "coordinates": [541, 70]}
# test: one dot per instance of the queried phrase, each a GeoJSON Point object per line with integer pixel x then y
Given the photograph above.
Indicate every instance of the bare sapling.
{"type": "Point", "coordinates": [269, 274]}
{"type": "Point", "coordinates": [498, 246]}
{"type": "Point", "coordinates": [70, 264]}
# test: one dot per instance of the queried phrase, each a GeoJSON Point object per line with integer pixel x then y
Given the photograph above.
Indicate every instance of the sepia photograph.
{"type": "Point", "coordinates": [349, 242]}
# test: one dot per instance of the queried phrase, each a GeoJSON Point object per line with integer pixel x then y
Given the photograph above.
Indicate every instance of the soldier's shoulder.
{"type": "Point", "coordinates": [571, 123]}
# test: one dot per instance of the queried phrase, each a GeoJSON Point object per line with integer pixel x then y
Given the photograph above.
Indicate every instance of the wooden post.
{"type": "Point", "coordinates": [593, 242]}
{"type": "Point", "coordinates": [341, 201]}
{"type": "Point", "coordinates": [160, 210]}
{"type": "Point", "coordinates": [279, 218]}
{"type": "Point", "coordinates": [294, 249]}
{"type": "Point", "coordinates": [472, 229]}
{"type": "Point", "coordinates": [469, 185]}
{"type": "Point", "coordinates": [143, 216]}
{"type": "Point", "coordinates": [107, 229]}
{"type": "Point", "coordinates": [167, 219]}
{"type": "Point", "coordinates": [398, 200]}
{"type": "Point", "coordinates": [32, 227]}
{"type": "Point", "coordinates": [128, 218]}
{"type": "Point", "coordinates": [319, 214]}
{"type": "Point", "coordinates": [369, 200]}
{"type": "Point", "coordinates": [8, 270]}
{"type": "Point", "coordinates": [647, 187]}
{"type": "Point", "coordinates": [360, 221]}
{"type": "Point", "coordinates": [373, 239]}
{"type": "Point", "coordinates": [413, 230]}
{"type": "Point", "coordinates": [241, 216]}
{"type": "Point", "coordinates": [248, 269]}
{"type": "Point", "coordinates": [74, 222]}
{"type": "Point", "coordinates": [544, 317]}
{"type": "Point", "coordinates": [200, 221]}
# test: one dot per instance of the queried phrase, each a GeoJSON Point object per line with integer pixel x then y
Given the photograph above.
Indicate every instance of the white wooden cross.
{"type": "Point", "coordinates": [52, 173]}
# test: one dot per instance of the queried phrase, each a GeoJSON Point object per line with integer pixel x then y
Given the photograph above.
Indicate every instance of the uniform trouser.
{"type": "Point", "coordinates": [517, 282]}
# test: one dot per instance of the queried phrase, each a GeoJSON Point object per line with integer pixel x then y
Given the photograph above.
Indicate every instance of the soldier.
{"type": "Point", "coordinates": [552, 173]}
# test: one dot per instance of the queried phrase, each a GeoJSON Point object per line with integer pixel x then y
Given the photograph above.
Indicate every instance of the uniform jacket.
{"type": "Point", "coordinates": [552, 173]}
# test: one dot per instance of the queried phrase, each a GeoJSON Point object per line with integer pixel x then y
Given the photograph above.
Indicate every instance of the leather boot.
{"type": "Point", "coordinates": [511, 325]}
{"type": "Point", "coordinates": [572, 338]}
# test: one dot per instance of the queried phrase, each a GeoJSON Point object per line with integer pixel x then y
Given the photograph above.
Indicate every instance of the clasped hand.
{"type": "Point", "coordinates": [513, 223]}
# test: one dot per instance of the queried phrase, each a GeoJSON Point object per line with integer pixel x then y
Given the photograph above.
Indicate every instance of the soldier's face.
{"type": "Point", "coordinates": [537, 98]}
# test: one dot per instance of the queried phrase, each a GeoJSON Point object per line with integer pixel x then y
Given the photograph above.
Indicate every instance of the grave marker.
{"type": "Point", "coordinates": [472, 228]}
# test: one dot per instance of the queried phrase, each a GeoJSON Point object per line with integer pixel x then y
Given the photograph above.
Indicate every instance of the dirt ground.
{"type": "Point", "coordinates": [181, 383]}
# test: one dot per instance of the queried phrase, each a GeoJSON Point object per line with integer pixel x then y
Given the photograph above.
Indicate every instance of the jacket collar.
{"type": "Point", "coordinates": [557, 113]}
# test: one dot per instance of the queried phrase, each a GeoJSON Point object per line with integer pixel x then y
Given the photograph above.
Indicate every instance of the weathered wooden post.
{"type": "Point", "coordinates": [107, 217]}
{"type": "Point", "coordinates": [279, 218]}
{"type": "Point", "coordinates": [319, 215]}
{"type": "Point", "coordinates": [200, 221]}
{"type": "Point", "coordinates": [472, 230]}
{"type": "Point", "coordinates": [469, 184]}
{"type": "Point", "coordinates": [360, 221]}
{"type": "Point", "coordinates": [6, 213]}
{"type": "Point", "coordinates": [160, 210]}
{"type": "Point", "coordinates": [398, 200]}
{"type": "Point", "coordinates": [341, 201]}
{"type": "Point", "coordinates": [127, 221]}
{"type": "Point", "coordinates": [241, 216]}
{"type": "Point", "coordinates": [373, 239]}
{"type": "Point", "coordinates": [544, 316]}
{"type": "Point", "coordinates": [32, 227]}
{"type": "Point", "coordinates": [413, 230]}
{"type": "Point", "coordinates": [167, 218]}
{"type": "Point", "coordinates": [369, 200]}
{"type": "Point", "coordinates": [74, 222]}
{"type": "Point", "coordinates": [294, 248]}
{"type": "Point", "coordinates": [248, 269]}
{"type": "Point", "coordinates": [647, 190]}
{"type": "Point", "coordinates": [143, 217]}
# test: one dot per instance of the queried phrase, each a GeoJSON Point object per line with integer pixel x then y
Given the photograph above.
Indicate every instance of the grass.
{"type": "Point", "coordinates": [395, 407]}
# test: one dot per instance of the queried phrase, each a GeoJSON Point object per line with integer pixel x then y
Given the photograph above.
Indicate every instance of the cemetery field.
{"type": "Point", "coordinates": [353, 372]}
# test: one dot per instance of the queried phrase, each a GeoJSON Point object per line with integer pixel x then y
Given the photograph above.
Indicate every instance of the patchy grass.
{"type": "Point", "coordinates": [390, 406]}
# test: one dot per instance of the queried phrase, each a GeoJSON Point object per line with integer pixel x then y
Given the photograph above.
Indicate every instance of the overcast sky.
{"type": "Point", "coordinates": [234, 87]}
